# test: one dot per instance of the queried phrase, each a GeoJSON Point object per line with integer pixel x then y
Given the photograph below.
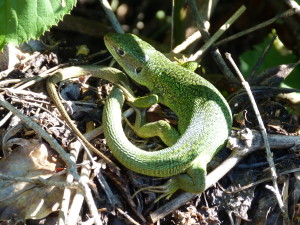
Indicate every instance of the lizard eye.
{"type": "Point", "coordinates": [138, 70]}
{"type": "Point", "coordinates": [120, 51]}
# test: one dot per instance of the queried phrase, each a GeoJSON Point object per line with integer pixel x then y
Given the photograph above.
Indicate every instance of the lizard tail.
{"type": "Point", "coordinates": [162, 163]}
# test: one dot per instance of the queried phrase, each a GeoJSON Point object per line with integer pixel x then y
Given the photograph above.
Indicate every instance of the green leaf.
{"type": "Point", "coordinates": [22, 20]}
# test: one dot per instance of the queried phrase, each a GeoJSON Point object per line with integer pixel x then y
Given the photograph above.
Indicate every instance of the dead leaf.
{"type": "Point", "coordinates": [30, 159]}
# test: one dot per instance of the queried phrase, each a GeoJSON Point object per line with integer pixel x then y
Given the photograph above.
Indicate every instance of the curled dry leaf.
{"type": "Point", "coordinates": [30, 159]}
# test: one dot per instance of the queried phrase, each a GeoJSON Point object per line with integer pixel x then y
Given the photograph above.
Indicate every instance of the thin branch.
{"type": "Point", "coordinates": [40, 181]}
{"type": "Point", "coordinates": [265, 138]}
{"type": "Point", "coordinates": [64, 209]}
{"type": "Point", "coordinates": [172, 23]}
{"type": "Point", "coordinates": [91, 203]}
{"type": "Point", "coordinates": [205, 34]}
{"type": "Point", "coordinates": [199, 20]}
{"type": "Point", "coordinates": [190, 40]}
{"type": "Point", "coordinates": [79, 195]}
{"type": "Point", "coordinates": [217, 35]}
{"type": "Point", "coordinates": [40, 77]}
{"type": "Point", "coordinates": [111, 16]}
{"type": "Point", "coordinates": [261, 58]}
{"type": "Point", "coordinates": [287, 13]}
{"type": "Point", "coordinates": [131, 220]}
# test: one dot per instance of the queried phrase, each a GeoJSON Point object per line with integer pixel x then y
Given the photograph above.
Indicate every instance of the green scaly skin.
{"type": "Point", "coordinates": [204, 117]}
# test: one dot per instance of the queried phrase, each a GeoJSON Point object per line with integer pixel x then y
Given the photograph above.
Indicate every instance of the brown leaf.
{"type": "Point", "coordinates": [30, 159]}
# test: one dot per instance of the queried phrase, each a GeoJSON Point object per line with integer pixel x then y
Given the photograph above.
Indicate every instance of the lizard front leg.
{"type": "Point", "coordinates": [168, 134]}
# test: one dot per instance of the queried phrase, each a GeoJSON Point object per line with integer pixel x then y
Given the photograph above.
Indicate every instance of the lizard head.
{"type": "Point", "coordinates": [131, 53]}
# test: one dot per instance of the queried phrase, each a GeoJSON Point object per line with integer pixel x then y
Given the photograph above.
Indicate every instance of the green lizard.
{"type": "Point", "coordinates": [204, 117]}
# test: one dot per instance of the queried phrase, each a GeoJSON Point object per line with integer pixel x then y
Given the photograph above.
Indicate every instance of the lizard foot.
{"type": "Point", "coordinates": [166, 190]}
{"type": "Point", "coordinates": [193, 181]}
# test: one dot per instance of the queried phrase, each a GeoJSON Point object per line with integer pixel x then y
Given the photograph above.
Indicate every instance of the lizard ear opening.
{"type": "Point", "coordinates": [138, 70]}
{"type": "Point", "coordinates": [120, 51]}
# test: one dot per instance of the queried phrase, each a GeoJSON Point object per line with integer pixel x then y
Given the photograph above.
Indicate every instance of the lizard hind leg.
{"type": "Point", "coordinates": [192, 181]}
